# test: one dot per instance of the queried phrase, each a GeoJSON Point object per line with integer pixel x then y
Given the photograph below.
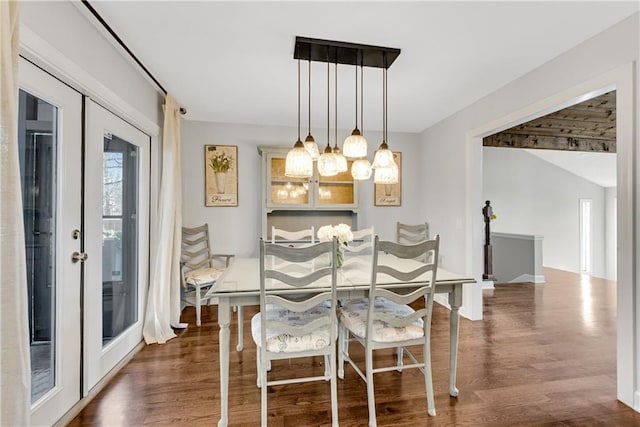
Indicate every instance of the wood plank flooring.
{"type": "Point", "coordinates": [543, 355]}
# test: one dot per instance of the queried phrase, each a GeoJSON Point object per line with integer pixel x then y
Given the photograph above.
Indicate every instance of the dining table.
{"type": "Point", "coordinates": [239, 286]}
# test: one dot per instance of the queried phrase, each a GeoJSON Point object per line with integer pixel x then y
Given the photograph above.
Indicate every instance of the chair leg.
{"type": "Point", "coordinates": [400, 356]}
{"type": "Point", "coordinates": [327, 367]}
{"type": "Point", "coordinates": [341, 349]}
{"type": "Point", "coordinates": [198, 296]}
{"type": "Point", "coordinates": [371, 399]}
{"type": "Point", "coordinates": [334, 389]}
{"type": "Point", "coordinates": [258, 368]}
{"type": "Point", "coordinates": [263, 398]}
{"type": "Point", "coordinates": [240, 345]}
{"type": "Point", "coordinates": [428, 380]}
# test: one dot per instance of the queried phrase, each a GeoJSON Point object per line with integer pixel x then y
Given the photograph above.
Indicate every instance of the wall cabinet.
{"type": "Point", "coordinates": [311, 201]}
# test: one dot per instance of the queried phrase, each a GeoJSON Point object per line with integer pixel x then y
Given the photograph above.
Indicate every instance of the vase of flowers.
{"type": "Point", "coordinates": [220, 163]}
{"type": "Point", "coordinates": [343, 234]}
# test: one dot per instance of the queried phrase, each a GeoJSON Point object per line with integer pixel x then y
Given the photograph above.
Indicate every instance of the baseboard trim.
{"type": "Point", "coordinates": [530, 278]}
{"type": "Point", "coordinates": [487, 284]}
{"type": "Point", "coordinates": [82, 403]}
{"type": "Point", "coordinates": [636, 401]}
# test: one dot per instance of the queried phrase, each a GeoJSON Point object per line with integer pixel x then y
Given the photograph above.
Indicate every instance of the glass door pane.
{"type": "Point", "coordinates": [119, 242]}
{"type": "Point", "coordinates": [37, 147]}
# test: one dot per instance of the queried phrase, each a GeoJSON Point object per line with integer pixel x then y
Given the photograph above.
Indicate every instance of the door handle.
{"type": "Point", "coordinates": [79, 256]}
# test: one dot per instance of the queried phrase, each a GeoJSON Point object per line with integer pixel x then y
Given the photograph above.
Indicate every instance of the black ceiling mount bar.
{"type": "Point", "coordinates": [344, 53]}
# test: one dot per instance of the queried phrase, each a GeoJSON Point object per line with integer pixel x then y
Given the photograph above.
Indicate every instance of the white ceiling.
{"type": "Point", "coordinates": [233, 61]}
{"type": "Point", "coordinates": [599, 168]}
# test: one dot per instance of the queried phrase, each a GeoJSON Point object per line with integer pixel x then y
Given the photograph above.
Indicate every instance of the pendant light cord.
{"type": "Point", "coordinates": [309, 96]}
{"type": "Point", "coordinates": [298, 100]}
{"type": "Point", "coordinates": [361, 96]}
{"type": "Point", "coordinates": [328, 101]}
{"type": "Point", "coordinates": [356, 96]}
{"type": "Point", "coordinates": [335, 100]}
{"type": "Point", "coordinates": [386, 101]}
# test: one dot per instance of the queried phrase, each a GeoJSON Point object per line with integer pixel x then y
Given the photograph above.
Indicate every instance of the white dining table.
{"type": "Point", "coordinates": [239, 286]}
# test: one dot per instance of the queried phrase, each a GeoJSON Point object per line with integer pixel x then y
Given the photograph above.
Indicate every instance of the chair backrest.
{"type": "Point", "coordinates": [304, 268]}
{"type": "Point", "coordinates": [196, 252]}
{"type": "Point", "coordinates": [399, 261]}
{"type": "Point", "coordinates": [362, 241]}
{"type": "Point", "coordinates": [300, 238]}
{"type": "Point", "coordinates": [408, 234]}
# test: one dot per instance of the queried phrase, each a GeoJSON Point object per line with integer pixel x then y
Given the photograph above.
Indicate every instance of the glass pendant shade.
{"type": "Point", "coordinates": [383, 157]}
{"type": "Point", "coordinates": [327, 163]}
{"type": "Point", "coordinates": [341, 161]}
{"type": "Point", "coordinates": [361, 169]}
{"type": "Point", "coordinates": [355, 145]}
{"type": "Point", "coordinates": [387, 175]}
{"type": "Point", "coordinates": [298, 163]}
{"type": "Point", "coordinates": [312, 147]}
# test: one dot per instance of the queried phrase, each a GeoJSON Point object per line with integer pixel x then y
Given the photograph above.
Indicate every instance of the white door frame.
{"type": "Point", "coordinates": [620, 79]}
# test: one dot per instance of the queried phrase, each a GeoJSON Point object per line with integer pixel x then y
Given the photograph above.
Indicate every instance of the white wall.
{"type": "Point", "coordinates": [67, 30]}
{"type": "Point", "coordinates": [610, 234]}
{"type": "Point", "coordinates": [237, 229]}
{"type": "Point", "coordinates": [532, 196]}
{"type": "Point", "coordinates": [452, 149]}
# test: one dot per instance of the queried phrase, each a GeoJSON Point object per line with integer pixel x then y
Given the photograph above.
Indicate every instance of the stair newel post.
{"type": "Point", "coordinates": [487, 213]}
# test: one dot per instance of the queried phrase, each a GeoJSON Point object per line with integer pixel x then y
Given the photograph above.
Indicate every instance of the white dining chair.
{"type": "Point", "coordinates": [410, 234]}
{"type": "Point", "coordinates": [198, 271]}
{"type": "Point", "coordinates": [293, 325]}
{"type": "Point", "coordinates": [296, 239]}
{"type": "Point", "coordinates": [386, 320]}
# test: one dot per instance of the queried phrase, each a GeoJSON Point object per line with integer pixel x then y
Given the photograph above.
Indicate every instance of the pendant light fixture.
{"type": "Point", "coordinates": [341, 161]}
{"type": "Point", "coordinates": [383, 158]}
{"type": "Point", "coordinates": [310, 142]}
{"type": "Point", "coordinates": [327, 162]}
{"type": "Point", "coordinates": [360, 168]}
{"type": "Point", "coordinates": [355, 145]}
{"type": "Point", "coordinates": [298, 163]}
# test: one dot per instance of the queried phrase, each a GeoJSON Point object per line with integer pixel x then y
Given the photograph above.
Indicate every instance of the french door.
{"type": "Point", "coordinates": [117, 165]}
{"type": "Point", "coordinates": [84, 254]}
{"type": "Point", "coordinates": [50, 147]}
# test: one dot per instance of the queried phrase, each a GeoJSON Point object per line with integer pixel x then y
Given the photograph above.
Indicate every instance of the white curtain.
{"type": "Point", "coordinates": [163, 304]}
{"type": "Point", "coordinates": [15, 364]}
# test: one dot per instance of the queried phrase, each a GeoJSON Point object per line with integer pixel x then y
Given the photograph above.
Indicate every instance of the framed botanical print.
{"type": "Point", "coordinates": [390, 194]}
{"type": "Point", "coordinates": [221, 175]}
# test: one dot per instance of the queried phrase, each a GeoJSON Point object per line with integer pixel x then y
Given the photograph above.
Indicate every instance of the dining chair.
{"type": "Point", "coordinates": [386, 320]}
{"type": "Point", "coordinates": [293, 238]}
{"type": "Point", "coordinates": [301, 322]}
{"type": "Point", "coordinates": [409, 234]}
{"type": "Point", "coordinates": [198, 272]}
{"type": "Point", "coordinates": [362, 240]}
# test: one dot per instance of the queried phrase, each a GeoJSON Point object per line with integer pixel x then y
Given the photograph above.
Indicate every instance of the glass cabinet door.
{"type": "Point", "coordinates": [283, 190]}
{"type": "Point", "coordinates": [338, 190]}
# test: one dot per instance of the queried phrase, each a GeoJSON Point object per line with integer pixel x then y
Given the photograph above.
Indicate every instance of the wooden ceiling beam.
{"type": "Point", "coordinates": [510, 140]}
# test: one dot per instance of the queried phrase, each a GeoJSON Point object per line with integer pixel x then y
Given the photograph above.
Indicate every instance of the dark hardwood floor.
{"type": "Point", "coordinates": [543, 355]}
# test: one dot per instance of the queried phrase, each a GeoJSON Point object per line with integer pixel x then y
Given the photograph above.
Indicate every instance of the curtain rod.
{"type": "Point", "coordinates": [126, 48]}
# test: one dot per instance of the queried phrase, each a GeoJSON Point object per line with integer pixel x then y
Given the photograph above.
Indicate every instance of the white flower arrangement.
{"type": "Point", "coordinates": [341, 231]}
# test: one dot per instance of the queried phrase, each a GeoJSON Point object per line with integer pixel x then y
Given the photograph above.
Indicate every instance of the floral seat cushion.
{"type": "Point", "coordinates": [278, 342]}
{"type": "Point", "coordinates": [202, 276]}
{"type": "Point", "coordinates": [353, 315]}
